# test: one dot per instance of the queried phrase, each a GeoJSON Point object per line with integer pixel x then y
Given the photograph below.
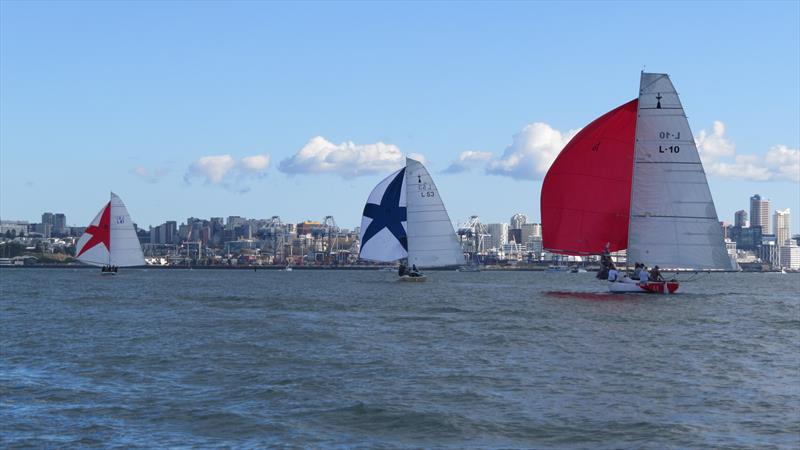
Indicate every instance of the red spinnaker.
{"type": "Point", "coordinates": [586, 193]}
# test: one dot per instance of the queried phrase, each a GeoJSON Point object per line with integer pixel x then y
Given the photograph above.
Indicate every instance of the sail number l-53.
{"type": "Point", "coordinates": [670, 149]}
{"type": "Point", "coordinates": [668, 135]}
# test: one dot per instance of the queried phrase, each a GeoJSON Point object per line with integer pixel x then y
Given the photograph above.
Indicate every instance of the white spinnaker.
{"type": "Point", "coordinates": [673, 221]}
{"type": "Point", "coordinates": [431, 239]}
{"type": "Point", "coordinates": [125, 247]}
{"type": "Point", "coordinates": [383, 246]}
{"type": "Point", "coordinates": [97, 255]}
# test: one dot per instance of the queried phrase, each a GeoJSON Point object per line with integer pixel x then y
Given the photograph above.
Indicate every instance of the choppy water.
{"type": "Point", "coordinates": [312, 358]}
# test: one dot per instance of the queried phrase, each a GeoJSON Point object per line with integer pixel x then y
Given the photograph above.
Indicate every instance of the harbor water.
{"type": "Point", "coordinates": [236, 358]}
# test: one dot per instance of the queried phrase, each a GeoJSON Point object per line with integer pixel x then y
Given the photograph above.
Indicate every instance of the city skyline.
{"type": "Point", "coordinates": [257, 119]}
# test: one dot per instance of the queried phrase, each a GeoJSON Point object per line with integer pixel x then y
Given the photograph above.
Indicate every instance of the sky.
{"type": "Point", "coordinates": [206, 109]}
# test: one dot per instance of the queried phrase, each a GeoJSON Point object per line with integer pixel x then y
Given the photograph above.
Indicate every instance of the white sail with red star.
{"type": "Point", "coordinates": [110, 239]}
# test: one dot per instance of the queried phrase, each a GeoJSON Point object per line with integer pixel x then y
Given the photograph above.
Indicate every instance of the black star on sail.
{"type": "Point", "coordinates": [388, 214]}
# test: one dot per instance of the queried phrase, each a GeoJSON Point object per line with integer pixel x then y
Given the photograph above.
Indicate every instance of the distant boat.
{"type": "Point", "coordinates": [110, 241]}
{"type": "Point", "coordinates": [633, 179]}
{"type": "Point", "coordinates": [405, 218]}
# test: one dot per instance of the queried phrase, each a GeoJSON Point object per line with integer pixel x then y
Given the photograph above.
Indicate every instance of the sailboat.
{"type": "Point", "coordinates": [633, 180]}
{"type": "Point", "coordinates": [110, 241]}
{"type": "Point", "coordinates": [405, 218]}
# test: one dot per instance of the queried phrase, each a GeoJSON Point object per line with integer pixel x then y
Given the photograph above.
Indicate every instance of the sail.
{"type": "Point", "coordinates": [431, 239]}
{"type": "Point", "coordinates": [673, 222]}
{"type": "Point", "coordinates": [92, 247]}
{"type": "Point", "coordinates": [585, 199]}
{"type": "Point", "coordinates": [110, 238]}
{"type": "Point", "coordinates": [126, 250]}
{"type": "Point", "coordinates": [383, 225]}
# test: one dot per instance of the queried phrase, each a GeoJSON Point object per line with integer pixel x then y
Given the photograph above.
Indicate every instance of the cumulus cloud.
{"type": "Point", "coordinates": [148, 175]}
{"type": "Point", "coordinates": [721, 159]}
{"type": "Point", "coordinates": [224, 170]}
{"type": "Point", "coordinates": [468, 160]}
{"type": "Point", "coordinates": [347, 159]}
{"type": "Point", "coordinates": [255, 164]}
{"type": "Point", "coordinates": [531, 152]}
{"type": "Point", "coordinates": [714, 145]}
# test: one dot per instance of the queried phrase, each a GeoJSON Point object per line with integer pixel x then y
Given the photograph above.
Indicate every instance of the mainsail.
{"type": "Point", "coordinates": [405, 217]}
{"type": "Point", "coordinates": [110, 238]}
{"type": "Point", "coordinates": [673, 222]}
{"type": "Point", "coordinates": [586, 193]}
{"type": "Point", "coordinates": [431, 239]}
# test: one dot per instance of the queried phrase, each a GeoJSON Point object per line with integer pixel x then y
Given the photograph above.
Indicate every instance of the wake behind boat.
{"type": "Point", "coordinates": [110, 242]}
{"type": "Point", "coordinates": [633, 180]}
{"type": "Point", "coordinates": [405, 219]}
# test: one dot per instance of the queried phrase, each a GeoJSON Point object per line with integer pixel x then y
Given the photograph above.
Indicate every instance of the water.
{"type": "Point", "coordinates": [332, 358]}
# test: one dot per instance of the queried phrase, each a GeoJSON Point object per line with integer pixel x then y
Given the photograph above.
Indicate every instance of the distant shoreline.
{"type": "Point", "coordinates": [343, 268]}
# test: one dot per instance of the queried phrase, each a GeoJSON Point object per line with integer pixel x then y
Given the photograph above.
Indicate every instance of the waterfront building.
{"type": "Point", "coordinates": [15, 227]}
{"type": "Point", "coordinates": [768, 251]}
{"type": "Point", "coordinates": [759, 212]}
{"type": "Point", "coordinates": [782, 226]}
{"type": "Point", "coordinates": [790, 256]}
{"type": "Point", "coordinates": [749, 238]}
{"type": "Point", "coordinates": [531, 231]}
{"type": "Point", "coordinates": [740, 219]}
{"type": "Point", "coordinates": [498, 235]}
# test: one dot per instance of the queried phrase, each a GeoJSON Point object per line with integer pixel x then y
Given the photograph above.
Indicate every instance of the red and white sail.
{"type": "Point", "coordinates": [110, 238]}
{"type": "Point", "coordinates": [633, 179]}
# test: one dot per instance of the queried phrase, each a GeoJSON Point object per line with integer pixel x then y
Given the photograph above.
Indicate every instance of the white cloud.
{"type": "Point", "coordinates": [720, 158]}
{"type": "Point", "coordinates": [212, 168]}
{"type": "Point", "coordinates": [714, 145]}
{"type": "Point", "coordinates": [531, 152]}
{"type": "Point", "coordinates": [150, 176]}
{"type": "Point", "coordinates": [255, 164]}
{"type": "Point", "coordinates": [346, 159]}
{"type": "Point", "coordinates": [785, 161]}
{"type": "Point", "coordinates": [468, 160]}
{"type": "Point", "coordinates": [224, 170]}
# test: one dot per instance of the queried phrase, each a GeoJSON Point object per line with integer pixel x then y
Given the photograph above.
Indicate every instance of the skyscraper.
{"type": "Point", "coordinates": [759, 212]}
{"type": "Point", "coordinates": [782, 227]}
{"type": "Point", "coordinates": [498, 235]}
{"type": "Point", "coordinates": [740, 219]}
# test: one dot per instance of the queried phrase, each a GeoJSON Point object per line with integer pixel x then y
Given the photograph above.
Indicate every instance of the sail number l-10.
{"type": "Point", "coordinates": [670, 149]}
{"type": "Point", "coordinates": [668, 135]}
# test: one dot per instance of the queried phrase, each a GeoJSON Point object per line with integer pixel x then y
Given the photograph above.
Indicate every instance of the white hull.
{"type": "Point", "coordinates": [411, 279]}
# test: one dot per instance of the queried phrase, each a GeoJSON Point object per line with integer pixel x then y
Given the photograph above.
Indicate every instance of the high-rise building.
{"type": "Point", "coordinates": [759, 212]}
{"type": "Point", "coordinates": [518, 220]}
{"type": "Point", "coordinates": [782, 228]}
{"type": "Point", "coordinates": [740, 219]}
{"type": "Point", "coordinates": [530, 231]}
{"type": "Point", "coordinates": [498, 235]}
{"type": "Point", "coordinates": [48, 218]}
{"type": "Point", "coordinates": [790, 256]}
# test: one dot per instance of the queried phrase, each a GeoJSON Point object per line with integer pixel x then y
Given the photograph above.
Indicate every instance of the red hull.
{"type": "Point", "coordinates": [664, 287]}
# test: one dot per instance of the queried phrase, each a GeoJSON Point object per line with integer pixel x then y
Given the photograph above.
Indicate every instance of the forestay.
{"type": "Point", "coordinates": [673, 221]}
{"type": "Point", "coordinates": [432, 242]}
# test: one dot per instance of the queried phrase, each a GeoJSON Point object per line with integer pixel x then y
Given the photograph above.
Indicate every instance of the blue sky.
{"type": "Point", "coordinates": [216, 109]}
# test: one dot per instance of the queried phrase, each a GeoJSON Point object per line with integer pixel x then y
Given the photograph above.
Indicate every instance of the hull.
{"type": "Point", "coordinates": [652, 287]}
{"type": "Point", "coordinates": [409, 279]}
